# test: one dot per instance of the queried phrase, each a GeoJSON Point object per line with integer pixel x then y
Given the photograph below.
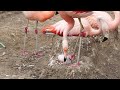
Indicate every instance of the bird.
{"type": "Point", "coordinates": [107, 22]}
{"type": "Point", "coordinates": [93, 25]}
{"type": "Point", "coordinates": [75, 31]}
{"type": "Point", "coordinates": [38, 16]}
{"type": "Point", "coordinates": [68, 17]}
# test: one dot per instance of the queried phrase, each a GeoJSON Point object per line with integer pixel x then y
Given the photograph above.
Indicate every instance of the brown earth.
{"type": "Point", "coordinates": [99, 61]}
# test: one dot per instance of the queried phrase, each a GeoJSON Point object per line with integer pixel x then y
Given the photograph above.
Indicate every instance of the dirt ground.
{"type": "Point", "coordinates": [98, 60]}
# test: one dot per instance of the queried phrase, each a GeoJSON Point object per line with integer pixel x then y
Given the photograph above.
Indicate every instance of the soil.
{"type": "Point", "coordinates": [99, 60]}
